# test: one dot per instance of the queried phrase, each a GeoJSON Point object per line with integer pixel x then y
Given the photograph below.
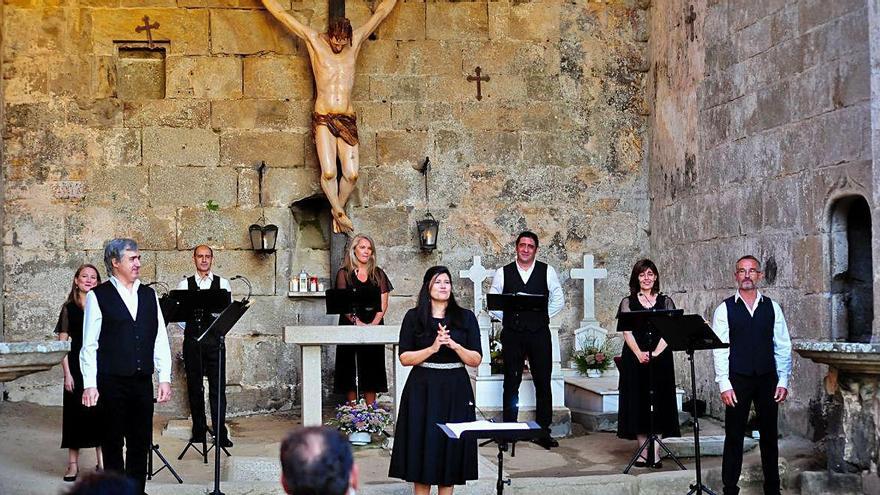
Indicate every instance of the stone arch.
{"type": "Point", "coordinates": [850, 269]}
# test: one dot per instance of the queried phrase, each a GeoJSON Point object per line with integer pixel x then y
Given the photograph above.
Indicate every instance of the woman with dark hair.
{"type": "Point", "coordinates": [80, 424]}
{"type": "Point", "coordinates": [437, 338]}
{"type": "Point", "coordinates": [633, 419]}
{"type": "Point", "coordinates": [364, 363]}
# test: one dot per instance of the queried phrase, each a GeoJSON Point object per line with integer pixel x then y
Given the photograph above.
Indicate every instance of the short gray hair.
{"type": "Point", "coordinates": [114, 249]}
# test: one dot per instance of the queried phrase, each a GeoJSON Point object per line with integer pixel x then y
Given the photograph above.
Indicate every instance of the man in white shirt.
{"type": "Point", "coordinates": [755, 369]}
{"type": "Point", "coordinates": [124, 343]}
{"type": "Point", "coordinates": [527, 335]}
{"type": "Point", "coordinates": [201, 358]}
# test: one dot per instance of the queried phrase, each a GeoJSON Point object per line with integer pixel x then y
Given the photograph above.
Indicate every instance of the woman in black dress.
{"type": "Point", "coordinates": [635, 374]}
{"type": "Point", "coordinates": [437, 338]}
{"type": "Point", "coordinates": [80, 427]}
{"type": "Point", "coordinates": [359, 270]}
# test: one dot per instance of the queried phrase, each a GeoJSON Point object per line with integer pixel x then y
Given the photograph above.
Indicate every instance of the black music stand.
{"type": "Point", "coordinates": [221, 326]}
{"type": "Point", "coordinates": [517, 303]}
{"type": "Point", "coordinates": [498, 433]}
{"type": "Point", "coordinates": [690, 333]}
{"type": "Point", "coordinates": [154, 449]}
{"type": "Point", "coordinates": [353, 300]}
{"type": "Point", "coordinates": [185, 305]}
{"type": "Point", "coordinates": [644, 322]}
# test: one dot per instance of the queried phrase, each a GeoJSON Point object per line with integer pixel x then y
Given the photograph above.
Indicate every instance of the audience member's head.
{"type": "Point", "coordinates": [317, 461]}
{"type": "Point", "coordinates": [103, 483]}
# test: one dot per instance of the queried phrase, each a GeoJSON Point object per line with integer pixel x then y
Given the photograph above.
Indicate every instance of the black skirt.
{"type": "Point", "coordinates": [370, 371]}
{"type": "Point", "coordinates": [422, 452]}
{"type": "Point", "coordinates": [80, 424]}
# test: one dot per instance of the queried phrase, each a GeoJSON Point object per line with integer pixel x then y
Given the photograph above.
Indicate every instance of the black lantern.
{"type": "Point", "coordinates": [263, 236]}
{"type": "Point", "coordinates": [427, 227]}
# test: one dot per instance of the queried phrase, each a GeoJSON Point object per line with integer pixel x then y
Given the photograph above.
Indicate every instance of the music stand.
{"type": "Point", "coordinates": [644, 322]}
{"type": "Point", "coordinates": [517, 303]}
{"type": "Point", "coordinates": [154, 449]}
{"type": "Point", "coordinates": [221, 326]}
{"type": "Point", "coordinates": [353, 300]}
{"type": "Point", "coordinates": [185, 305]}
{"type": "Point", "coordinates": [691, 333]}
{"type": "Point", "coordinates": [498, 433]}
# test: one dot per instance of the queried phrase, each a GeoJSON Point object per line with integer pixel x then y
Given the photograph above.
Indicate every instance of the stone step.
{"type": "Point", "coordinates": [607, 421]}
{"type": "Point", "coordinates": [598, 394]}
{"type": "Point", "coordinates": [710, 445]}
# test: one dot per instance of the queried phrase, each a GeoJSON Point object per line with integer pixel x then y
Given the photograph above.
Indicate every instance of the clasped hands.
{"type": "Point", "coordinates": [443, 338]}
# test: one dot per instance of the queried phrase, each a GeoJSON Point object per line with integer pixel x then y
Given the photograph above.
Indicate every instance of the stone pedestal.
{"type": "Point", "coordinates": [311, 338]}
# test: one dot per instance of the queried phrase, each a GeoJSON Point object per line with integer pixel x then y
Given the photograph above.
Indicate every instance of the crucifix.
{"type": "Point", "coordinates": [479, 79]}
{"type": "Point", "coordinates": [148, 28]}
{"type": "Point", "coordinates": [589, 275]}
{"type": "Point", "coordinates": [477, 273]}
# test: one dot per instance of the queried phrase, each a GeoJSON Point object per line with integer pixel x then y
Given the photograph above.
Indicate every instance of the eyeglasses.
{"type": "Point", "coordinates": [750, 271]}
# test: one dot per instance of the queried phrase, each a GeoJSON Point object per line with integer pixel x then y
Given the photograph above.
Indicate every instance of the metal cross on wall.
{"type": "Point", "coordinates": [479, 79]}
{"type": "Point", "coordinates": [148, 28]}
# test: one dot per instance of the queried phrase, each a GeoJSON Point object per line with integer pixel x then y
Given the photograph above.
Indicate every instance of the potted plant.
{"type": "Point", "coordinates": [593, 358]}
{"type": "Point", "coordinates": [360, 420]}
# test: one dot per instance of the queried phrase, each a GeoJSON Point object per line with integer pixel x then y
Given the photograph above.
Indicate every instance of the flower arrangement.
{"type": "Point", "coordinates": [353, 417]}
{"type": "Point", "coordinates": [593, 356]}
{"type": "Point", "coordinates": [496, 360]}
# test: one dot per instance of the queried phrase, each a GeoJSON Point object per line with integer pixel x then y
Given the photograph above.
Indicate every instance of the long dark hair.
{"type": "Point", "coordinates": [71, 297]}
{"type": "Point", "coordinates": [454, 312]}
{"type": "Point", "coordinates": [640, 267]}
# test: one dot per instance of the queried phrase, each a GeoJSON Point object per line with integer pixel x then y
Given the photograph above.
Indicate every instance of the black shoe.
{"type": "Point", "coordinates": [226, 443]}
{"type": "Point", "coordinates": [547, 442]}
{"type": "Point", "coordinates": [657, 465]}
{"type": "Point", "coordinates": [640, 464]}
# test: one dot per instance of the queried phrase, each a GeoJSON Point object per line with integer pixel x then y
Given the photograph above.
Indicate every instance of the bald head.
{"type": "Point", "coordinates": [317, 460]}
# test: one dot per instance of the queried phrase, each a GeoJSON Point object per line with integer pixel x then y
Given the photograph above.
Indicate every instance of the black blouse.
{"type": "Point", "coordinates": [468, 335]}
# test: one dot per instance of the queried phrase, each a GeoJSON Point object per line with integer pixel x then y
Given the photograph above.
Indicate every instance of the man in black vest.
{"type": "Point", "coordinates": [527, 335]}
{"type": "Point", "coordinates": [124, 342]}
{"type": "Point", "coordinates": [201, 358]}
{"type": "Point", "coordinates": [755, 369]}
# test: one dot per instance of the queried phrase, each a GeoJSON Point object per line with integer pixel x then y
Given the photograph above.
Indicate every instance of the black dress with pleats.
{"type": "Point", "coordinates": [422, 452]}
{"type": "Point", "coordinates": [633, 416]}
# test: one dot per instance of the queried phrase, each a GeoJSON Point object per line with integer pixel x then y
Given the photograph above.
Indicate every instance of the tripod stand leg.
{"type": "Point", "coordinates": [669, 453]}
{"type": "Point", "coordinates": [151, 473]}
{"type": "Point", "coordinates": [637, 455]}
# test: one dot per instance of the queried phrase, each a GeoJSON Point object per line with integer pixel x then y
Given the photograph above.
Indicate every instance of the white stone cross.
{"type": "Point", "coordinates": [589, 275]}
{"type": "Point", "coordinates": [477, 273]}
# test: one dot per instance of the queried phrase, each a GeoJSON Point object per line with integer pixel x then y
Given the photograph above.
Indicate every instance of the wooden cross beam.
{"type": "Point", "coordinates": [148, 28]}
{"type": "Point", "coordinates": [479, 79]}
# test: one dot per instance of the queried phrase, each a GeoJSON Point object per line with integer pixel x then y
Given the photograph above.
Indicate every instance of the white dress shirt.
{"type": "Point", "coordinates": [88, 356]}
{"type": "Point", "coordinates": [781, 343]}
{"type": "Point", "coordinates": [556, 300]}
{"type": "Point", "coordinates": [204, 283]}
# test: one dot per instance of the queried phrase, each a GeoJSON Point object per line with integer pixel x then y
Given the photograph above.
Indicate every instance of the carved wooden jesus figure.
{"type": "Point", "coordinates": [333, 55]}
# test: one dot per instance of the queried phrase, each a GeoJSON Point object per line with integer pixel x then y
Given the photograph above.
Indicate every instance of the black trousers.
{"type": "Point", "coordinates": [759, 389]}
{"type": "Point", "coordinates": [128, 405]}
{"type": "Point", "coordinates": [515, 347]}
{"type": "Point", "coordinates": [201, 359]}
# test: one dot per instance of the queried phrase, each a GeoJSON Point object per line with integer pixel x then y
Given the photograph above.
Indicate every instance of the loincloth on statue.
{"type": "Point", "coordinates": [341, 125]}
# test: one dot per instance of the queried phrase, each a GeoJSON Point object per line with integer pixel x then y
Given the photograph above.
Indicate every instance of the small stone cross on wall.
{"type": "Point", "coordinates": [589, 274]}
{"type": "Point", "coordinates": [479, 79]}
{"type": "Point", "coordinates": [148, 28]}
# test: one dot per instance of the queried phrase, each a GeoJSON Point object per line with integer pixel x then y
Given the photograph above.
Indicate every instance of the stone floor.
{"type": "Point", "coordinates": [32, 463]}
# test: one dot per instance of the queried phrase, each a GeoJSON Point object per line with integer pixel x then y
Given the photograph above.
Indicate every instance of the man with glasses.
{"type": "Point", "coordinates": [755, 369]}
{"type": "Point", "coordinates": [527, 335]}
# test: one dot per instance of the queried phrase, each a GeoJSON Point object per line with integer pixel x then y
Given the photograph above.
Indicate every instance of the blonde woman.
{"type": "Point", "coordinates": [80, 426]}
{"type": "Point", "coordinates": [360, 270]}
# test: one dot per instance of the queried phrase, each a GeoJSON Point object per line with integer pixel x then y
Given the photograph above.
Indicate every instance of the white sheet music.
{"type": "Point", "coordinates": [459, 428]}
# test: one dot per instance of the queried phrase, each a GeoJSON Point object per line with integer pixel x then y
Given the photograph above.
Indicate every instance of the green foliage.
{"type": "Point", "coordinates": [360, 416]}
{"type": "Point", "coordinates": [593, 356]}
{"type": "Point", "coordinates": [211, 205]}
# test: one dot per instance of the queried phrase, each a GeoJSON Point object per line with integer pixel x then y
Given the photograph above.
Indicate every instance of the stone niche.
{"type": "Point", "coordinates": [140, 71]}
{"type": "Point", "coordinates": [311, 238]}
{"type": "Point", "coordinates": [852, 294]}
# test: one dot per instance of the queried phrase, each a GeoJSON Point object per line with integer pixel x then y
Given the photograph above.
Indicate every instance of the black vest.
{"type": "Point", "coordinates": [537, 284]}
{"type": "Point", "coordinates": [751, 337]}
{"type": "Point", "coordinates": [125, 346]}
{"type": "Point", "coordinates": [194, 328]}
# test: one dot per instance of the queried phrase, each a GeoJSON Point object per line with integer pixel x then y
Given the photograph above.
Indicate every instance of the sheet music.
{"type": "Point", "coordinates": [458, 428]}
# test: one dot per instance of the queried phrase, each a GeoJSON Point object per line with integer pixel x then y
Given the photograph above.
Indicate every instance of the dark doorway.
{"type": "Point", "coordinates": [852, 291]}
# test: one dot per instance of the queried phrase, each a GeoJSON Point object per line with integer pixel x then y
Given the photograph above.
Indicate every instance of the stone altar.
{"type": "Point", "coordinates": [311, 338]}
{"type": "Point", "coordinates": [18, 359]}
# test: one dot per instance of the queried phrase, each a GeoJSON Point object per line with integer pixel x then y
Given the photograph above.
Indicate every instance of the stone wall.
{"type": "Point", "coordinates": [94, 150]}
{"type": "Point", "coordinates": [761, 120]}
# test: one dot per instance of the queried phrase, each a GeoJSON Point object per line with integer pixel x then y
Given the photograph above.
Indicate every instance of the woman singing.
{"type": "Point", "coordinates": [80, 427]}
{"type": "Point", "coordinates": [635, 372]}
{"type": "Point", "coordinates": [437, 338]}
{"type": "Point", "coordinates": [359, 270]}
